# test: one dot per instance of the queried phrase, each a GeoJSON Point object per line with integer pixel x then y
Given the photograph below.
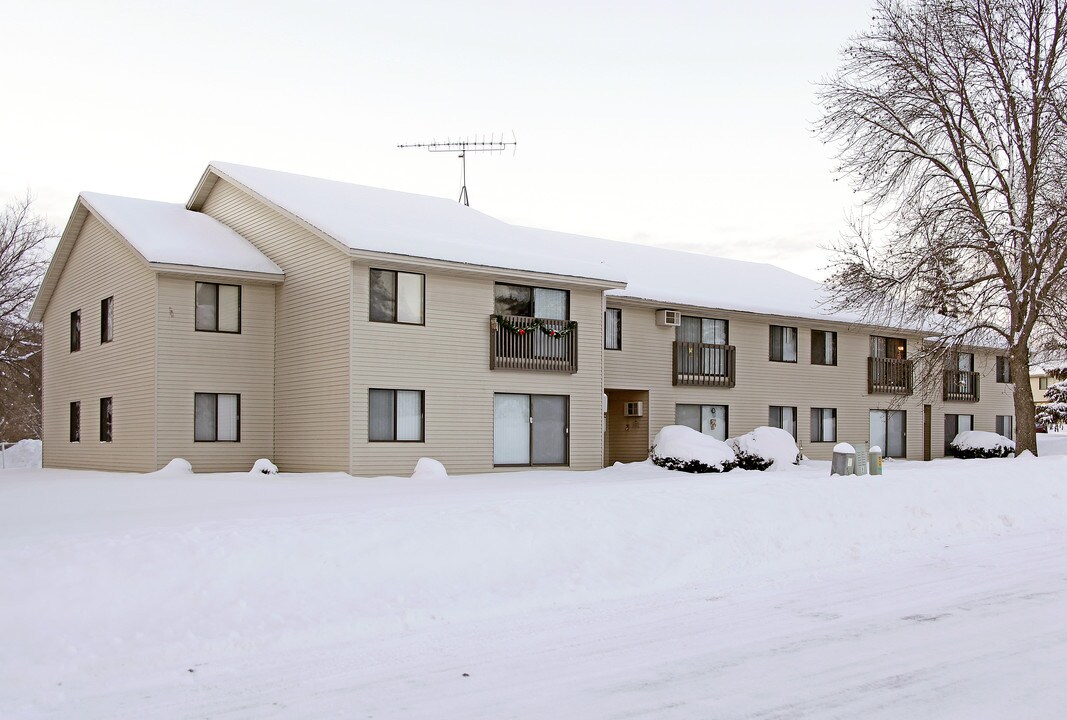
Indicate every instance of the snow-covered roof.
{"type": "Point", "coordinates": [169, 234]}
{"type": "Point", "coordinates": [374, 219]}
{"type": "Point", "coordinates": [400, 223]}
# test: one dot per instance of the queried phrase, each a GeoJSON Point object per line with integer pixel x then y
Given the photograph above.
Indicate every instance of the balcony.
{"type": "Point", "coordinates": [889, 375]}
{"type": "Point", "coordinates": [704, 364]}
{"type": "Point", "coordinates": [524, 343]}
{"type": "Point", "coordinates": [961, 385]}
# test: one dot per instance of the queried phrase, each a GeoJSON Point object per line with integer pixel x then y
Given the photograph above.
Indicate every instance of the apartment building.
{"type": "Point", "coordinates": [331, 326]}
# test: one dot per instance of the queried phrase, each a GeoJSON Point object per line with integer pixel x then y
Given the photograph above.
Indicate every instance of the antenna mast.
{"type": "Point", "coordinates": [465, 146]}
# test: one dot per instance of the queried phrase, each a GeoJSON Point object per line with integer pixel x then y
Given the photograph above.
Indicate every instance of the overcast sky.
{"type": "Point", "coordinates": [682, 124]}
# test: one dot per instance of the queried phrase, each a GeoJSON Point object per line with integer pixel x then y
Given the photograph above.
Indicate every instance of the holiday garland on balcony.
{"type": "Point", "coordinates": [537, 323]}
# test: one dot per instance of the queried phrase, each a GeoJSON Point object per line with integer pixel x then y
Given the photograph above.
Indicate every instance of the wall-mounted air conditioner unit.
{"type": "Point", "coordinates": [635, 409]}
{"type": "Point", "coordinates": [668, 318]}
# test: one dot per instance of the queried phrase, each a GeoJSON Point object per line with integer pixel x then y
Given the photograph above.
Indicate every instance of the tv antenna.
{"type": "Point", "coordinates": [465, 146]}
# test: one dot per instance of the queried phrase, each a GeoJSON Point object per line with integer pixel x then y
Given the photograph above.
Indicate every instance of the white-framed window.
{"type": "Point", "coordinates": [889, 432]}
{"type": "Point", "coordinates": [954, 425]}
{"type": "Point", "coordinates": [216, 417]}
{"type": "Point", "coordinates": [783, 344]}
{"type": "Point", "coordinates": [1042, 383]}
{"type": "Point", "coordinates": [397, 297]}
{"type": "Point", "coordinates": [784, 417]}
{"type": "Point", "coordinates": [823, 347]}
{"type": "Point", "coordinates": [613, 329]}
{"type": "Point", "coordinates": [395, 415]}
{"type": "Point", "coordinates": [824, 424]}
{"type": "Point", "coordinates": [218, 308]}
{"type": "Point", "coordinates": [711, 420]}
{"type": "Point", "coordinates": [530, 429]}
{"type": "Point", "coordinates": [107, 320]}
{"type": "Point", "coordinates": [1006, 426]}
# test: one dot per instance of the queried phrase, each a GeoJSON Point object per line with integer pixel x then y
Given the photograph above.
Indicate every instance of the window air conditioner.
{"type": "Point", "coordinates": [668, 318]}
{"type": "Point", "coordinates": [635, 409]}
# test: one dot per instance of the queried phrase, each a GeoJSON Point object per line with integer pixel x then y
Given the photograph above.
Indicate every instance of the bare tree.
{"type": "Point", "coordinates": [23, 235]}
{"type": "Point", "coordinates": [950, 117]}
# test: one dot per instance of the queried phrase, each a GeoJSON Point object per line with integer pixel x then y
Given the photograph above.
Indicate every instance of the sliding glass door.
{"type": "Point", "coordinates": [530, 429]}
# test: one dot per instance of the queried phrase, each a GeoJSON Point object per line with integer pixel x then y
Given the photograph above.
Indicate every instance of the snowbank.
{"type": "Point", "coordinates": [770, 444]}
{"type": "Point", "coordinates": [429, 469]}
{"type": "Point", "coordinates": [678, 447]}
{"type": "Point", "coordinates": [23, 454]}
{"type": "Point", "coordinates": [263, 466]}
{"type": "Point", "coordinates": [177, 466]}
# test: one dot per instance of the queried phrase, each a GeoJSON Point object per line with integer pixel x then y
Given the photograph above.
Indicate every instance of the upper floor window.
{"type": "Point", "coordinates": [1003, 369]}
{"type": "Point", "coordinates": [889, 347]}
{"type": "Point", "coordinates": [107, 320]}
{"type": "Point", "coordinates": [823, 347]}
{"type": "Point", "coordinates": [963, 361]}
{"type": "Point", "coordinates": [613, 329]}
{"type": "Point", "coordinates": [783, 344]}
{"type": "Point", "coordinates": [218, 307]}
{"type": "Point", "coordinates": [535, 302]}
{"type": "Point", "coordinates": [76, 331]}
{"type": "Point", "coordinates": [106, 418]}
{"type": "Point", "coordinates": [709, 331]}
{"type": "Point", "coordinates": [397, 297]}
{"type": "Point", "coordinates": [1042, 383]}
{"type": "Point", "coordinates": [216, 417]}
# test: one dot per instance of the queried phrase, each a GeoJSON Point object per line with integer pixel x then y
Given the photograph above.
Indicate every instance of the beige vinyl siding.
{"type": "Point", "coordinates": [448, 358]}
{"type": "Point", "coordinates": [996, 399]}
{"type": "Point", "coordinates": [311, 402]}
{"type": "Point", "coordinates": [101, 265]}
{"type": "Point", "coordinates": [213, 362]}
{"type": "Point", "coordinates": [645, 362]}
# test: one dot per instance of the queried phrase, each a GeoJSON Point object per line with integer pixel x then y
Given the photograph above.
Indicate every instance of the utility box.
{"type": "Point", "coordinates": [844, 460]}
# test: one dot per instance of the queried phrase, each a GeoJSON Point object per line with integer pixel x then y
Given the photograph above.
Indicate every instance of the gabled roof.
{"type": "Point", "coordinates": [372, 219]}
{"type": "Point", "coordinates": [165, 236]}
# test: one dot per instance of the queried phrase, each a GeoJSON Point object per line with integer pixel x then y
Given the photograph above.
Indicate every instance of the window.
{"type": "Point", "coordinates": [397, 297]}
{"type": "Point", "coordinates": [823, 347]}
{"type": "Point", "coordinates": [395, 416]}
{"type": "Point", "coordinates": [613, 329]}
{"type": "Point", "coordinates": [784, 418]}
{"type": "Point", "coordinates": [889, 347]}
{"type": "Point", "coordinates": [522, 301]}
{"type": "Point", "coordinates": [824, 424]}
{"type": "Point", "coordinates": [106, 419]}
{"type": "Point", "coordinates": [695, 360]}
{"type": "Point", "coordinates": [964, 361]}
{"type": "Point", "coordinates": [530, 429]}
{"type": "Point", "coordinates": [107, 319]}
{"type": "Point", "coordinates": [954, 425]}
{"type": "Point", "coordinates": [75, 421]}
{"type": "Point", "coordinates": [1006, 426]}
{"type": "Point", "coordinates": [708, 419]}
{"type": "Point", "coordinates": [1003, 369]}
{"type": "Point", "coordinates": [1042, 383]}
{"type": "Point", "coordinates": [889, 432]}
{"type": "Point", "coordinates": [76, 331]}
{"type": "Point", "coordinates": [783, 344]}
{"type": "Point", "coordinates": [216, 417]}
{"type": "Point", "coordinates": [218, 307]}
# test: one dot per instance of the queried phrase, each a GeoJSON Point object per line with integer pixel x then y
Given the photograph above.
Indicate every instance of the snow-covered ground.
{"type": "Point", "coordinates": [937, 590]}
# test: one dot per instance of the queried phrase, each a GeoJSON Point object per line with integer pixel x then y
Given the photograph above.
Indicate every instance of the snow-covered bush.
{"type": "Point", "coordinates": [177, 466]}
{"type": "Point", "coordinates": [23, 454]}
{"type": "Point", "coordinates": [263, 466]}
{"type": "Point", "coordinates": [980, 444]}
{"type": "Point", "coordinates": [765, 448]}
{"type": "Point", "coordinates": [678, 447]}
{"type": "Point", "coordinates": [429, 469]}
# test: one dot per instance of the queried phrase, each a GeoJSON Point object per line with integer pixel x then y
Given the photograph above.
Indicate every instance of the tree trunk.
{"type": "Point", "coordinates": [1025, 426]}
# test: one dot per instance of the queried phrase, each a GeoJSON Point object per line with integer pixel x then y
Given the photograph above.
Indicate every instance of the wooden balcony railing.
{"type": "Point", "coordinates": [704, 364]}
{"type": "Point", "coordinates": [523, 343]}
{"type": "Point", "coordinates": [889, 375]}
{"type": "Point", "coordinates": [962, 385]}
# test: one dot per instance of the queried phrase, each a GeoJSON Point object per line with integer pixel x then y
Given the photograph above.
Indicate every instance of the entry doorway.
{"type": "Point", "coordinates": [626, 426]}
